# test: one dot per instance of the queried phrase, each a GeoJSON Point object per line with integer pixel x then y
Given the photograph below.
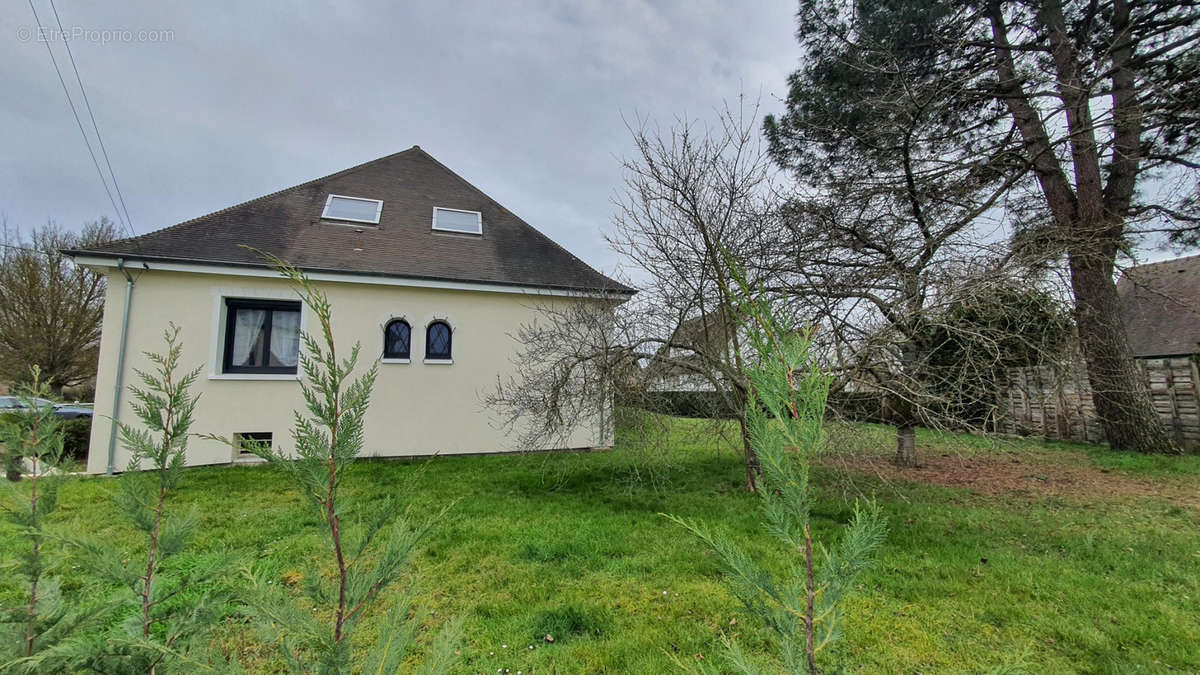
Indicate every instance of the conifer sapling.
{"type": "Point", "coordinates": [785, 418]}
{"type": "Point", "coordinates": [327, 439]}
{"type": "Point", "coordinates": [166, 617]}
{"type": "Point", "coordinates": [33, 635]}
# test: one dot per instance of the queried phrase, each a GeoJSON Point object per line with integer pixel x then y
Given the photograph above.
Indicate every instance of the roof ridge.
{"type": "Point", "coordinates": [1168, 261]}
{"type": "Point", "coordinates": [335, 174]}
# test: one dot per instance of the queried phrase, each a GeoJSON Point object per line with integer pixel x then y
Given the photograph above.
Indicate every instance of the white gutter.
{"type": "Point", "coordinates": [238, 271]}
{"type": "Point", "coordinates": [120, 380]}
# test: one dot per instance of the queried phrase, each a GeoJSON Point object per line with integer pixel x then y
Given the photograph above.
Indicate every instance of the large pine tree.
{"type": "Point", "coordinates": [1096, 101]}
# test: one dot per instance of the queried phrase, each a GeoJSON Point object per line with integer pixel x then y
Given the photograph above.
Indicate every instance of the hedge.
{"type": "Point", "coordinates": [76, 434]}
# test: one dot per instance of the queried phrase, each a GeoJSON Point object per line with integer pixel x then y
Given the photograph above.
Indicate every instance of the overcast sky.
{"type": "Point", "coordinates": [205, 104]}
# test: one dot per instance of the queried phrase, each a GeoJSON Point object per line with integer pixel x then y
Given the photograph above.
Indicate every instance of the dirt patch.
{"type": "Point", "coordinates": [1007, 474]}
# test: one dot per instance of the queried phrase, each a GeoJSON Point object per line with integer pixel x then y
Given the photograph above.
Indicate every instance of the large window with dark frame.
{"type": "Point", "coordinates": [437, 341]}
{"type": "Point", "coordinates": [397, 338]}
{"type": "Point", "coordinates": [261, 336]}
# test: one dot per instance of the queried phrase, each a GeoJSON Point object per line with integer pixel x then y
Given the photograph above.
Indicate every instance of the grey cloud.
{"type": "Point", "coordinates": [525, 99]}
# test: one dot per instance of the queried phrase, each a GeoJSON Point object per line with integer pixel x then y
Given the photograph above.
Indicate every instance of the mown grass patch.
{"type": "Point", "coordinates": [566, 545]}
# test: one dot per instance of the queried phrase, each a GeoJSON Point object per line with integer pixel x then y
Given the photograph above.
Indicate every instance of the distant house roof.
{"type": "Point", "coordinates": [1160, 304]}
{"type": "Point", "coordinates": [410, 184]}
{"type": "Point", "coordinates": [708, 334]}
{"type": "Point", "coordinates": [681, 363]}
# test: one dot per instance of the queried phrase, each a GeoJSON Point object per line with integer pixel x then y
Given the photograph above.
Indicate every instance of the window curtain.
{"type": "Point", "coordinates": [247, 336]}
{"type": "Point", "coordinates": [285, 339]}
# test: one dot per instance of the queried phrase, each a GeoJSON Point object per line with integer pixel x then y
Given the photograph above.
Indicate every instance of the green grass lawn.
{"type": "Point", "coordinates": [1093, 580]}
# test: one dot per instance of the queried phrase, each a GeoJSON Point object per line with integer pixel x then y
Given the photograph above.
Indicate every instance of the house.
{"type": "Point", "coordinates": [683, 364]}
{"type": "Point", "coordinates": [686, 376]}
{"type": "Point", "coordinates": [430, 275]}
{"type": "Point", "coordinates": [1160, 304]}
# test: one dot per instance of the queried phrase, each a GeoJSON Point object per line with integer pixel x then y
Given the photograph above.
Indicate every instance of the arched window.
{"type": "Point", "coordinates": [397, 336]}
{"type": "Point", "coordinates": [437, 341]}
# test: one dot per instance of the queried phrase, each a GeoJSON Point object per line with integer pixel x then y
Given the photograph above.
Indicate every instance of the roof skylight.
{"type": "Point", "coordinates": [353, 209]}
{"type": "Point", "coordinates": [457, 220]}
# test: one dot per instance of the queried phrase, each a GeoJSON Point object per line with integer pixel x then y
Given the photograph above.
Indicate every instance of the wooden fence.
{"type": "Point", "coordinates": [1056, 403]}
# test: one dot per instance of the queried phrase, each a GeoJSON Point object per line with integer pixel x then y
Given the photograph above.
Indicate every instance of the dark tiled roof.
{"type": "Point", "coordinates": [1160, 304]}
{"type": "Point", "coordinates": [411, 183]}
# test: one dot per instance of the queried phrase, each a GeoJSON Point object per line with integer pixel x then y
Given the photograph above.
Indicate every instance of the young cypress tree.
{"type": "Point", "coordinates": [785, 417]}
{"type": "Point", "coordinates": [357, 572]}
{"type": "Point", "coordinates": [35, 634]}
{"type": "Point", "coordinates": [166, 609]}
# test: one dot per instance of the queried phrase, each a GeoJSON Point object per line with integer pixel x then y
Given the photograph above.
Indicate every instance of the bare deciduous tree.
{"type": "Point", "coordinates": [50, 308]}
{"type": "Point", "coordinates": [881, 284]}
{"type": "Point", "coordinates": [693, 196]}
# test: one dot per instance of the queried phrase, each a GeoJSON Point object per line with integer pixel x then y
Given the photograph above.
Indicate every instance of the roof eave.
{"type": "Point", "coordinates": [620, 289]}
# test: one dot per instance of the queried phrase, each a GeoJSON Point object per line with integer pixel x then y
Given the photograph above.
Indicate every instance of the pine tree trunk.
{"type": "Point", "coordinates": [1122, 401]}
{"type": "Point", "coordinates": [906, 445]}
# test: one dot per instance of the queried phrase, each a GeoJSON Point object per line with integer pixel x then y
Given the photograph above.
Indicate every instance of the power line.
{"type": "Point", "coordinates": [96, 127]}
{"type": "Point", "coordinates": [24, 248]}
{"type": "Point", "coordinates": [78, 122]}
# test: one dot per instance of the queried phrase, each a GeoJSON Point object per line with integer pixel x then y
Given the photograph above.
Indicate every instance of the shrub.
{"type": "Point", "coordinates": [699, 404]}
{"type": "Point", "coordinates": [77, 434]}
{"type": "Point", "coordinates": [10, 461]}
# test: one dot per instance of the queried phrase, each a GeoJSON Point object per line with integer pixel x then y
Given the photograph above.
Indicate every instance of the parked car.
{"type": "Point", "coordinates": [69, 411]}
{"type": "Point", "coordinates": [66, 411]}
{"type": "Point", "coordinates": [16, 403]}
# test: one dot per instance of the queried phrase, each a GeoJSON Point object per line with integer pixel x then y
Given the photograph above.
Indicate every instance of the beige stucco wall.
{"type": "Point", "coordinates": [417, 408]}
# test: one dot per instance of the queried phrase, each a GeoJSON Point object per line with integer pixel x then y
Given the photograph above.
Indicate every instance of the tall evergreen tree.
{"type": "Point", "coordinates": [1093, 103]}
